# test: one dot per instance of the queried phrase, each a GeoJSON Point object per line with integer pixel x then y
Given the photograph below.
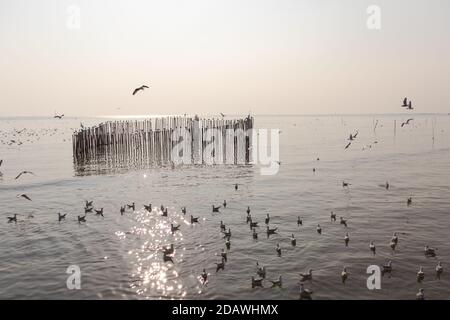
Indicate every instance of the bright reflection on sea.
{"type": "Point", "coordinates": [153, 274]}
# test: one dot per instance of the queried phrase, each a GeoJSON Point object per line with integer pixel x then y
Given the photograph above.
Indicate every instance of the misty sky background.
{"type": "Point", "coordinates": [211, 56]}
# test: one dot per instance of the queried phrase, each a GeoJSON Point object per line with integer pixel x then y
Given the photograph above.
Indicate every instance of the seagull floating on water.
{"type": "Point", "coordinates": [430, 252]}
{"type": "Point", "coordinates": [305, 294]}
{"type": "Point", "coordinates": [277, 283]}
{"type": "Point", "coordinates": [420, 295]}
{"type": "Point", "coordinates": [346, 239]}
{"type": "Point", "coordinates": [387, 268]}
{"type": "Point", "coordinates": [256, 282]}
{"type": "Point", "coordinates": [319, 229]}
{"type": "Point", "coordinates": [293, 240]}
{"type": "Point", "coordinates": [23, 172]}
{"type": "Point", "coordinates": [306, 276]}
{"type": "Point", "coordinates": [344, 275]}
{"type": "Point", "coordinates": [439, 270]}
{"type": "Point", "coordinates": [372, 248]}
{"type": "Point", "coordinates": [420, 275]}
{"type": "Point", "coordinates": [332, 216]}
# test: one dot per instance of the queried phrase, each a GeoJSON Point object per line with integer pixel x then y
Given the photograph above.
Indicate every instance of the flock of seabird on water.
{"type": "Point", "coordinates": [260, 271]}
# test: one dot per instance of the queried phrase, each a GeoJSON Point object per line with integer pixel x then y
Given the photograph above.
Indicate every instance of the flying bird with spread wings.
{"type": "Point", "coordinates": [23, 172]}
{"type": "Point", "coordinates": [58, 116]}
{"type": "Point", "coordinates": [139, 89]}
{"type": "Point", "coordinates": [23, 195]}
{"type": "Point", "coordinates": [406, 122]}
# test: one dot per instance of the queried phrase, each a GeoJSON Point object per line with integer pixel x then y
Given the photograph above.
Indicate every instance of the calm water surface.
{"type": "Point", "coordinates": [119, 255]}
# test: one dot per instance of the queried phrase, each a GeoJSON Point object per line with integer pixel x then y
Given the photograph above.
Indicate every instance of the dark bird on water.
{"type": "Point", "coordinates": [373, 248]}
{"type": "Point", "coordinates": [319, 229]}
{"type": "Point", "coordinates": [61, 216]}
{"type": "Point", "coordinates": [194, 220]}
{"type": "Point", "coordinates": [215, 209]}
{"type": "Point", "coordinates": [333, 216]}
{"type": "Point", "coordinates": [23, 172]}
{"type": "Point", "coordinates": [131, 206]}
{"type": "Point", "coordinates": [220, 265]}
{"type": "Point", "coordinates": [13, 218]}
{"type": "Point", "coordinates": [81, 219]}
{"type": "Point", "coordinates": [346, 239]}
{"type": "Point", "coordinates": [99, 212]}
{"type": "Point", "coordinates": [148, 208]}
{"type": "Point", "coordinates": [271, 231]}
{"type": "Point", "coordinates": [173, 228]}
{"type": "Point", "coordinates": [256, 282]}
{"type": "Point", "coordinates": [139, 89]}
{"type": "Point", "coordinates": [183, 210]}
{"type": "Point", "coordinates": [122, 210]}
{"type": "Point", "coordinates": [409, 201]}
{"type": "Point", "coordinates": [299, 222]}
{"type": "Point", "coordinates": [266, 221]}
{"type": "Point", "coordinates": [278, 249]}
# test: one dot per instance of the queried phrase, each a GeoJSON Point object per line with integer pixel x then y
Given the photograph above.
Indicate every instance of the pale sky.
{"type": "Point", "coordinates": [231, 56]}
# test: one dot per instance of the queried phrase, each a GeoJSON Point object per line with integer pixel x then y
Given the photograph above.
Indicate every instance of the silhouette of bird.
{"type": "Point", "coordinates": [81, 219]}
{"type": "Point", "coordinates": [23, 172]}
{"type": "Point", "coordinates": [348, 145]}
{"type": "Point", "coordinates": [346, 239]}
{"type": "Point", "coordinates": [420, 275]}
{"type": "Point", "coordinates": [174, 228]}
{"type": "Point", "coordinates": [439, 270]}
{"type": "Point", "coordinates": [372, 248]}
{"type": "Point", "coordinates": [306, 276]}
{"type": "Point", "coordinates": [299, 222]}
{"type": "Point", "coordinates": [407, 122]}
{"type": "Point", "coordinates": [220, 265]}
{"type": "Point", "coordinates": [194, 220]}
{"type": "Point", "coordinates": [139, 89]}
{"type": "Point", "coordinates": [420, 295]}
{"type": "Point", "coordinates": [256, 282]}
{"type": "Point", "coordinates": [387, 268]}
{"type": "Point", "coordinates": [23, 195]}
{"type": "Point", "coordinates": [13, 218]}
{"type": "Point", "coordinates": [215, 209]}
{"type": "Point", "coordinates": [344, 275]}
{"type": "Point", "coordinates": [405, 102]}
{"type": "Point", "coordinates": [277, 283]}
{"type": "Point", "coordinates": [61, 216]}
{"type": "Point", "coordinates": [305, 294]}
{"type": "Point", "coordinates": [58, 116]}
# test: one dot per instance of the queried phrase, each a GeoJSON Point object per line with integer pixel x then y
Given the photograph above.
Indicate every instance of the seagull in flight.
{"type": "Point", "coordinates": [58, 116]}
{"type": "Point", "coordinates": [23, 195]}
{"type": "Point", "coordinates": [406, 122]}
{"type": "Point", "coordinates": [140, 88]}
{"type": "Point", "coordinates": [223, 116]}
{"type": "Point", "coordinates": [405, 102]}
{"type": "Point", "coordinates": [23, 172]}
{"type": "Point", "coordinates": [348, 145]}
